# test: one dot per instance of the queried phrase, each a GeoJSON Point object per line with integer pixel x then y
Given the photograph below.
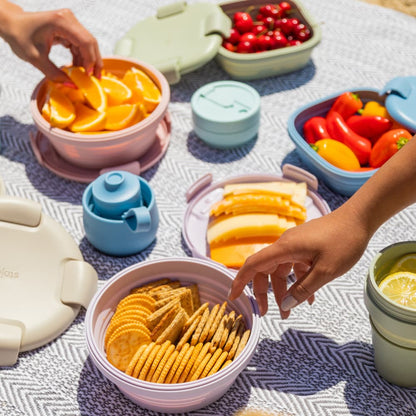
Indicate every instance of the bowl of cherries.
{"type": "Point", "coordinates": [267, 39]}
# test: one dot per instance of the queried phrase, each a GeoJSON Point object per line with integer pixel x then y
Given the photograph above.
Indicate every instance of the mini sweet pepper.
{"type": "Point", "coordinates": [347, 104]}
{"type": "Point", "coordinates": [314, 129]}
{"type": "Point", "coordinates": [387, 145]}
{"type": "Point", "coordinates": [339, 130]}
{"type": "Point", "coordinates": [337, 154]}
{"type": "Point", "coordinates": [371, 127]}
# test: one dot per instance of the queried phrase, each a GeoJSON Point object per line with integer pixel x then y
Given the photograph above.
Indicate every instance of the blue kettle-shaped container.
{"type": "Point", "coordinates": [120, 213]}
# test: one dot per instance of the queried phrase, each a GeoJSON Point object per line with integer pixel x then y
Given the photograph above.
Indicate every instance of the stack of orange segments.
{"type": "Point", "coordinates": [100, 105]}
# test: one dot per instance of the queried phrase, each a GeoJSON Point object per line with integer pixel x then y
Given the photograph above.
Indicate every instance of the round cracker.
{"type": "Point", "coordinates": [167, 367]}
{"type": "Point", "coordinates": [162, 363]}
{"type": "Point", "coordinates": [177, 362]}
{"type": "Point", "coordinates": [190, 362]}
{"type": "Point", "coordinates": [207, 327]}
{"type": "Point", "coordinates": [218, 364]}
{"type": "Point", "coordinates": [198, 371]}
{"type": "Point", "coordinates": [211, 362]}
{"type": "Point", "coordinates": [198, 360]}
{"type": "Point", "coordinates": [122, 327]}
{"type": "Point", "coordinates": [145, 369]}
{"type": "Point", "coordinates": [142, 359]}
{"type": "Point", "coordinates": [242, 343]}
{"type": "Point", "coordinates": [123, 346]}
{"type": "Point", "coordinates": [200, 327]}
{"type": "Point", "coordinates": [133, 361]}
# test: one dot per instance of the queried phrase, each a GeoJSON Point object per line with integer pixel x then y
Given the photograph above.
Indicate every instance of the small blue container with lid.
{"type": "Point", "coordinates": [226, 114]}
{"type": "Point", "coordinates": [120, 213]}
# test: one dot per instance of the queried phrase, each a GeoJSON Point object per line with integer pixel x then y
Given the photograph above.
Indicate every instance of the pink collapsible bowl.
{"type": "Point", "coordinates": [104, 150]}
{"type": "Point", "coordinates": [214, 282]}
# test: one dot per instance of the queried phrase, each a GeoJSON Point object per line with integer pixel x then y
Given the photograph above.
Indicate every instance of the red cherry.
{"type": "Point", "coordinates": [259, 29]}
{"type": "Point", "coordinates": [269, 10]}
{"type": "Point", "coordinates": [303, 35]}
{"type": "Point", "coordinates": [268, 22]}
{"type": "Point", "coordinates": [239, 16]}
{"type": "Point", "coordinates": [244, 23]}
{"type": "Point", "coordinates": [248, 36]}
{"type": "Point", "coordinates": [234, 37]}
{"type": "Point", "coordinates": [284, 6]}
{"type": "Point", "coordinates": [265, 43]}
{"type": "Point", "coordinates": [280, 40]}
{"type": "Point", "coordinates": [294, 42]}
{"type": "Point", "coordinates": [229, 46]}
{"type": "Point", "coordinates": [245, 47]}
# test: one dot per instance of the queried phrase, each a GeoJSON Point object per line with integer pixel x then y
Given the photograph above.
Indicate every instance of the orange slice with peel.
{"type": "Point", "coordinates": [120, 116]}
{"type": "Point", "coordinates": [87, 119]}
{"type": "Point", "coordinates": [90, 87]}
{"type": "Point", "coordinates": [117, 92]}
{"type": "Point", "coordinates": [58, 109]}
{"type": "Point", "coordinates": [142, 82]}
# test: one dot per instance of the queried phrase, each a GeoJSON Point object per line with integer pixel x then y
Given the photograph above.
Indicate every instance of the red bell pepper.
{"type": "Point", "coordinates": [347, 104]}
{"type": "Point", "coordinates": [371, 127]}
{"type": "Point", "coordinates": [387, 145]}
{"type": "Point", "coordinates": [314, 129]}
{"type": "Point", "coordinates": [338, 129]}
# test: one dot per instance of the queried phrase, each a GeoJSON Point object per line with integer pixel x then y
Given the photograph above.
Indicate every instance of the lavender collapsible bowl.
{"type": "Point", "coordinates": [214, 282]}
{"type": "Point", "coordinates": [96, 151]}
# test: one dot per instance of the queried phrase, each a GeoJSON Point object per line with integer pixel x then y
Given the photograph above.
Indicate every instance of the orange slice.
{"type": "Point", "coordinates": [120, 116]}
{"type": "Point", "coordinates": [87, 120]}
{"type": "Point", "coordinates": [141, 82]}
{"type": "Point", "coordinates": [117, 92]}
{"type": "Point", "coordinates": [90, 87]}
{"type": "Point", "coordinates": [58, 110]}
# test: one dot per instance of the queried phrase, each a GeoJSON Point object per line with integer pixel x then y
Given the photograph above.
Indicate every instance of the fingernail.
{"type": "Point", "coordinates": [229, 294]}
{"type": "Point", "coordinates": [288, 303]}
{"type": "Point", "coordinates": [69, 84]}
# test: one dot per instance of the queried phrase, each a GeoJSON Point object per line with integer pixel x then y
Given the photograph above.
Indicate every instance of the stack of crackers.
{"type": "Point", "coordinates": [162, 333]}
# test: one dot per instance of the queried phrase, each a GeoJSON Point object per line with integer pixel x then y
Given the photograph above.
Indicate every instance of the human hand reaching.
{"type": "Point", "coordinates": [318, 251]}
{"type": "Point", "coordinates": [31, 36]}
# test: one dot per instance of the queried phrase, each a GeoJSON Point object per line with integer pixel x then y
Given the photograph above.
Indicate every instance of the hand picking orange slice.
{"type": "Point", "coordinates": [117, 92]}
{"type": "Point", "coordinates": [120, 116]}
{"type": "Point", "coordinates": [90, 87]}
{"type": "Point", "coordinates": [58, 109]}
{"type": "Point", "coordinates": [87, 119]}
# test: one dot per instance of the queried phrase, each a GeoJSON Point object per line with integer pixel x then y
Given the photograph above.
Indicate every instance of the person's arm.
{"type": "Point", "coordinates": [322, 249]}
{"type": "Point", "coordinates": [31, 36]}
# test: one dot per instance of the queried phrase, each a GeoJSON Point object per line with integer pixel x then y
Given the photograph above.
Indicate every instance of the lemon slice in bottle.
{"type": "Point", "coordinates": [400, 287]}
{"type": "Point", "coordinates": [406, 263]}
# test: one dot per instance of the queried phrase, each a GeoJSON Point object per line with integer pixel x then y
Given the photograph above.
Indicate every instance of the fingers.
{"type": "Point", "coordinates": [260, 289]}
{"type": "Point", "coordinates": [69, 32]}
{"type": "Point", "coordinates": [279, 285]}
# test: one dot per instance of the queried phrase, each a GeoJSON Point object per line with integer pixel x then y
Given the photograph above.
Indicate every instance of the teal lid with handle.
{"type": "Point", "coordinates": [179, 39]}
{"type": "Point", "coordinates": [401, 100]}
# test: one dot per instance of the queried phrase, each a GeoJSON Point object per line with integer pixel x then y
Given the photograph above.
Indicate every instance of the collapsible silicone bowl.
{"type": "Point", "coordinates": [214, 282]}
{"type": "Point", "coordinates": [246, 66]}
{"type": "Point", "coordinates": [339, 180]}
{"type": "Point", "coordinates": [97, 151]}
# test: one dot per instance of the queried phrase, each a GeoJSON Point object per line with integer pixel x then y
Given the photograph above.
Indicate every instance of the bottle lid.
{"type": "Point", "coordinates": [114, 193]}
{"type": "Point", "coordinates": [179, 39]}
{"type": "Point", "coordinates": [401, 101]}
{"type": "Point", "coordinates": [226, 110]}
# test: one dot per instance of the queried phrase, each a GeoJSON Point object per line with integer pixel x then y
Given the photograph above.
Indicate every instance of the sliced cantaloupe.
{"type": "Point", "coordinates": [234, 254]}
{"type": "Point", "coordinates": [295, 191]}
{"type": "Point", "coordinates": [250, 203]}
{"type": "Point", "coordinates": [227, 228]}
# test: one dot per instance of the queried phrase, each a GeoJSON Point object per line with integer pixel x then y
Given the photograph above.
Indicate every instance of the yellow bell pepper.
{"type": "Point", "coordinates": [337, 154]}
{"type": "Point", "coordinates": [374, 108]}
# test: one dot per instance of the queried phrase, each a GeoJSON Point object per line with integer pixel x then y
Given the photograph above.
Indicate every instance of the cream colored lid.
{"type": "Point", "coordinates": [43, 278]}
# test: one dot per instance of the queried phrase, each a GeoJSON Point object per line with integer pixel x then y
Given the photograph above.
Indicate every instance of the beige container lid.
{"type": "Point", "coordinates": [44, 280]}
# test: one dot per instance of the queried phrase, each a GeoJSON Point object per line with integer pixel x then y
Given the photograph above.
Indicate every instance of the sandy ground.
{"type": "Point", "coordinates": [405, 6]}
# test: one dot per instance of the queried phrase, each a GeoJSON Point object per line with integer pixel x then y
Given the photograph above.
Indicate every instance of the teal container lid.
{"type": "Point", "coordinates": [401, 101]}
{"type": "Point", "coordinates": [179, 39]}
{"type": "Point", "coordinates": [226, 108]}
